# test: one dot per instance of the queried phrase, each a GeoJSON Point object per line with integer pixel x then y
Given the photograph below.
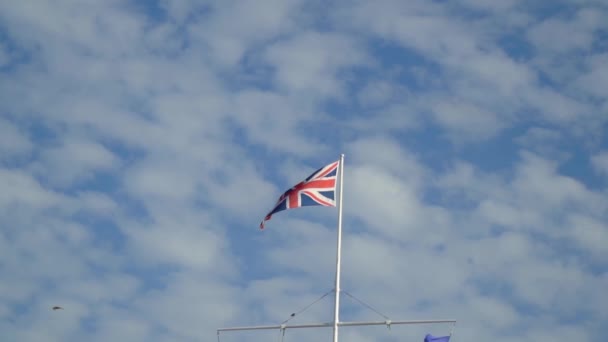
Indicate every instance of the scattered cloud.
{"type": "Point", "coordinates": [141, 143]}
{"type": "Point", "coordinates": [600, 162]}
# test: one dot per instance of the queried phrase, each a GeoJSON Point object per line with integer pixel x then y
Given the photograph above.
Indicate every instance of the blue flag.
{"type": "Point", "coordinates": [431, 338]}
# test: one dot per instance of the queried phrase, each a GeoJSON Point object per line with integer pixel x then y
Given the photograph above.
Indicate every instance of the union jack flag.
{"type": "Point", "coordinates": [318, 189]}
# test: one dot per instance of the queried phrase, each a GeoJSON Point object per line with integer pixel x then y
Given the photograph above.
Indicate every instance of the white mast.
{"type": "Point", "coordinates": [339, 250]}
{"type": "Point", "coordinates": [336, 322]}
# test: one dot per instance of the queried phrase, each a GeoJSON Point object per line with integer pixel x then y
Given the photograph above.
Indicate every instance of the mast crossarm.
{"type": "Point", "coordinates": [429, 321]}
{"type": "Point", "coordinates": [329, 325]}
{"type": "Point", "coordinates": [274, 327]}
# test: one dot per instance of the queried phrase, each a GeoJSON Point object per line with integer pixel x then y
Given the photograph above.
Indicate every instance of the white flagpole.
{"type": "Point", "coordinates": [339, 250]}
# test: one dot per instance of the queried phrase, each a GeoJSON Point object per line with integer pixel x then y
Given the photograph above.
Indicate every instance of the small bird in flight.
{"type": "Point", "coordinates": [57, 308]}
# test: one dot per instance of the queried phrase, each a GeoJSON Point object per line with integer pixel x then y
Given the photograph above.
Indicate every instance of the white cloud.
{"type": "Point", "coordinates": [5, 57]}
{"type": "Point", "coordinates": [306, 62]}
{"type": "Point", "coordinates": [394, 158]}
{"type": "Point", "coordinates": [466, 120]}
{"type": "Point", "coordinates": [74, 161]}
{"type": "Point", "coordinates": [556, 107]}
{"type": "Point", "coordinates": [543, 141]}
{"type": "Point", "coordinates": [494, 312]}
{"type": "Point", "coordinates": [272, 120]}
{"type": "Point", "coordinates": [591, 234]}
{"type": "Point", "coordinates": [183, 10]}
{"type": "Point", "coordinates": [594, 80]}
{"type": "Point", "coordinates": [228, 40]}
{"type": "Point", "coordinates": [115, 287]}
{"type": "Point", "coordinates": [13, 142]}
{"type": "Point", "coordinates": [395, 118]}
{"type": "Point", "coordinates": [117, 325]}
{"type": "Point", "coordinates": [21, 189]}
{"type": "Point", "coordinates": [507, 214]}
{"type": "Point", "coordinates": [141, 144]}
{"type": "Point", "coordinates": [475, 66]}
{"type": "Point", "coordinates": [183, 246]}
{"type": "Point", "coordinates": [149, 180]}
{"type": "Point", "coordinates": [539, 183]}
{"type": "Point", "coordinates": [378, 93]}
{"type": "Point", "coordinates": [491, 5]}
{"type": "Point", "coordinates": [560, 36]}
{"type": "Point", "coordinates": [384, 189]}
{"type": "Point", "coordinates": [189, 305]}
{"type": "Point", "coordinates": [400, 209]}
{"type": "Point", "coordinates": [98, 203]}
{"type": "Point", "coordinates": [600, 162]}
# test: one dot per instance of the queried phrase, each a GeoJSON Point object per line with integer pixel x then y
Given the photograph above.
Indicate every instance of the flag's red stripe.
{"type": "Point", "coordinates": [328, 170]}
{"type": "Point", "coordinates": [294, 194]}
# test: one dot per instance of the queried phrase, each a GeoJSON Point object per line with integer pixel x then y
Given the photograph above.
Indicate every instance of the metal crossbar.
{"type": "Point", "coordinates": [329, 325]}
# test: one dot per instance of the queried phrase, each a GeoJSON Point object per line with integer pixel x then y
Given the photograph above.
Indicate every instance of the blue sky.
{"type": "Point", "coordinates": [141, 143]}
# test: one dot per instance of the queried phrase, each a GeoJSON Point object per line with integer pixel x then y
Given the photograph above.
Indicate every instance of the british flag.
{"type": "Point", "coordinates": [318, 189]}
